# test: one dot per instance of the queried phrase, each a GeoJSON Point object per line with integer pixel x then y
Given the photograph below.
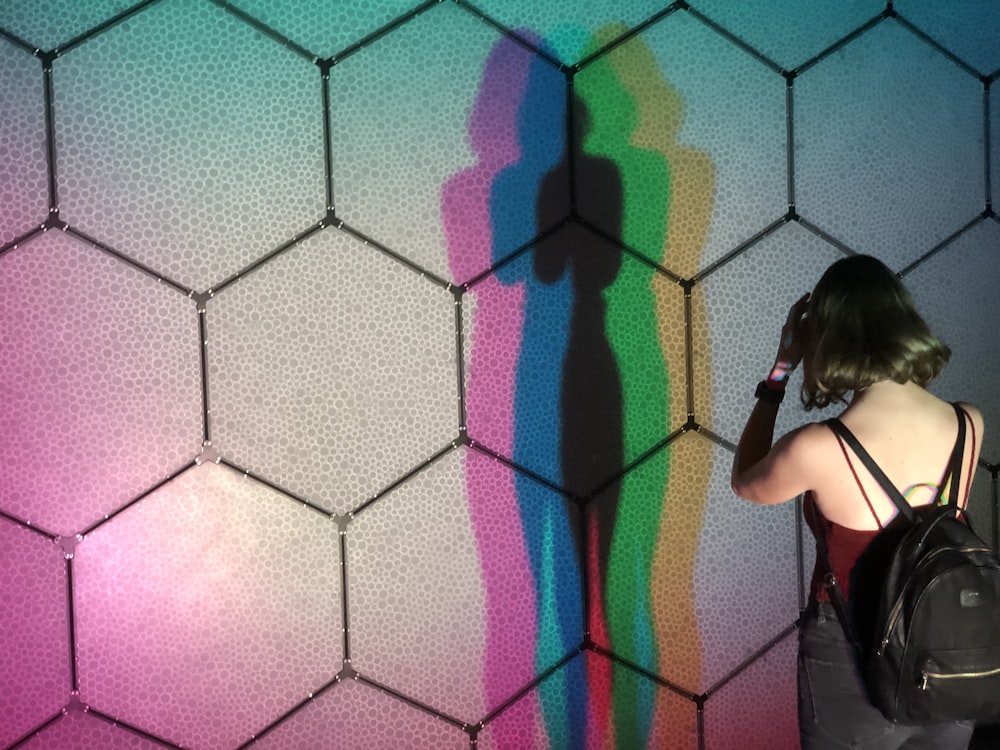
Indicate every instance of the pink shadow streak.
{"type": "Point", "coordinates": [495, 345]}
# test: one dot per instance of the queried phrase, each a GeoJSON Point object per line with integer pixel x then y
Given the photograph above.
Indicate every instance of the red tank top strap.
{"type": "Point", "coordinates": [847, 457]}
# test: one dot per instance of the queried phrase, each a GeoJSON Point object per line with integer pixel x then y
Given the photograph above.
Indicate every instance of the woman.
{"type": "Point", "coordinates": [859, 334]}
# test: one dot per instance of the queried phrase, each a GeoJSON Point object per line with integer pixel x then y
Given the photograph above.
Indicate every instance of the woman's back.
{"type": "Point", "coordinates": [910, 433]}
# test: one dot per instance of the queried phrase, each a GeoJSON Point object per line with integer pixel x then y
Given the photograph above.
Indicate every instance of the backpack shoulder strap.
{"type": "Point", "coordinates": [957, 454]}
{"type": "Point", "coordinates": [890, 489]}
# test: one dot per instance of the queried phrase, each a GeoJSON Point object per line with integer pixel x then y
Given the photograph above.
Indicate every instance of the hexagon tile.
{"type": "Point", "coordinates": [372, 370]}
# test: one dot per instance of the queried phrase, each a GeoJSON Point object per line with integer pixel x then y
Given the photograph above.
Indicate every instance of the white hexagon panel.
{"type": "Point", "coordinates": [189, 141]}
{"type": "Point", "coordinates": [102, 370]}
{"type": "Point", "coordinates": [869, 119]}
{"type": "Point", "coordinates": [332, 370]}
{"type": "Point", "coordinates": [23, 184]}
{"type": "Point", "coordinates": [208, 610]}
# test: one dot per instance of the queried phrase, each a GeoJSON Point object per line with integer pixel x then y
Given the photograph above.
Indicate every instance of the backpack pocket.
{"type": "Point", "coordinates": [956, 684]}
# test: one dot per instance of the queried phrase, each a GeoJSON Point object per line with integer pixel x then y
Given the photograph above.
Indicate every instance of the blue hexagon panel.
{"type": "Point", "coordinates": [372, 371]}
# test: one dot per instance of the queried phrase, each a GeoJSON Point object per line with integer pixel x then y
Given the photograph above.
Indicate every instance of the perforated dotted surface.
{"type": "Point", "coordinates": [218, 608]}
{"type": "Point", "coordinates": [404, 133]}
{"type": "Point", "coordinates": [34, 662]}
{"type": "Point", "coordinates": [747, 302]}
{"type": "Point", "coordinates": [23, 188]}
{"type": "Point", "coordinates": [412, 553]}
{"type": "Point", "coordinates": [326, 27]}
{"type": "Point", "coordinates": [791, 33]}
{"type": "Point", "coordinates": [971, 37]}
{"type": "Point", "coordinates": [955, 290]}
{"type": "Point", "coordinates": [332, 370]}
{"type": "Point", "coordinates": [836, 186]}
{"type": "Point", "coordinates": [102, 372]}
{"type": "Point", "coordinates": [755, 546]}
{"type": "Point", "coordinates": [223, 599]}
{"type": "Point", "coordinates": [48, 24]}
{"type": "Point", "coordinates": [79, 731]}
{"type": "Point", "coordinates": [177, 157]}
{"type": "Point", "coordinates": [527, 14]}
{"type": "Point", "coordinates": [732, 135]}
{"type": "Point", "coordinates": [354, 714]}
{"type": "Point", "coordinates": [752, 709]}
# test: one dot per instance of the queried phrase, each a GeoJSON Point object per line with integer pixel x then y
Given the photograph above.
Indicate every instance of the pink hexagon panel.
{"type": "Point", "coordinates": [77, 729]}
{"type": "Point", "coordinates": [222, 599]}
{"type": "Point", "coordinates": [332, 370]}
{"type": "Point", "coordinates": [179, 158]}
{"type": "Point", "coordinates": [102, 370]}
{"type": "Point", "coordinates": [35, 677]}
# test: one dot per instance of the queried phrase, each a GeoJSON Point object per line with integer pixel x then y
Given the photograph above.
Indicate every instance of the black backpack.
{"type": "Point", "coordinates": [925, 606]}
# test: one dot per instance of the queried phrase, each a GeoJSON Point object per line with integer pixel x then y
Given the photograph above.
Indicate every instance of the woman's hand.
{"type": "Point", "coordinates": [793, 335]}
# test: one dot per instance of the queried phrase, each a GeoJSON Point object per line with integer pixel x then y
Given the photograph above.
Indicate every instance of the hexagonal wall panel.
{"type": "Point", "coordinates": [790, 32]}
{"type": "Point", "coordinates": [178, 157]}
{"type": "Point", "coordinates": [746, 303]}
{"type": "Point", "coordinates": [326, 27]}
{"type": "Point", "coordinates": [23, 184]}
{"type": "Point", "coordinates": [688, 84]}
{"type": "Point", "coordinates": [956, 291]}
{"type": "Point", "coordinates": [862, 108]}
{"type": "Point", "coordinates": [102, 387]}
{"type": "Point", "coordinates": [78, 730]}
{"type": "Point", "coordinates": [574, 359]}
{"type": "Point", "coordinates": [745, 576]}
{"type": "Point", "coordinates": [673, 719]}
{"type": "Point", "coordinates": [48, 24]}
{"type": "Point", "coordinates": [413, 554]}
{"type": "Point", "coordinates": [400, 132]}
{"type": "Point", "coordinates": [757, 708]}
{"type": "Point", "coordinates": [353, 714]}
{"type": "Point", "coordinates": [332, 370]}
{"type": "Point", "coordinates": [557, 22]}
{"type": "Point", "coordinates": [208, 610]}
{"type": "Point", "coordinates": [971, 35]}
{"type": "Point", "coordinates": [35, 677]}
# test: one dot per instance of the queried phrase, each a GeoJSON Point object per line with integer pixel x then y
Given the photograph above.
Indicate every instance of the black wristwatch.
{"type": "Point", "coordinates": [770, 395]}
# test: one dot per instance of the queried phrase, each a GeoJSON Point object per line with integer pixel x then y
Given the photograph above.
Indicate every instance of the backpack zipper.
{"type": "Point", "coordinates": [898, 606]}
{"type": "Point", "coordinates": [955, 676]}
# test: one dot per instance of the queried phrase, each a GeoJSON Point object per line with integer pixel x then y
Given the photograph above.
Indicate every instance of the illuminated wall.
{"type": "Point", "coordinates": [371, 370]}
